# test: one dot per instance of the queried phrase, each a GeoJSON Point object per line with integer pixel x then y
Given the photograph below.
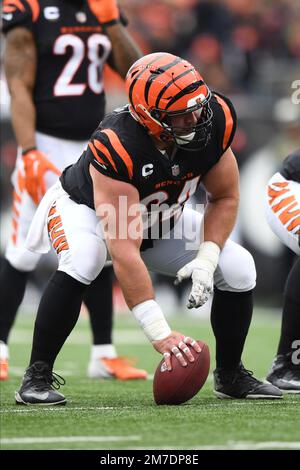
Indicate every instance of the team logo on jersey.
{"type": "Point", "coordinates": [147, 170]}
{"type": "Point", "coordinates": [81, 17]}
{"type": "Point", "coordinates": [175, 170]}
{"type": "Point", "coordinates": [51, 13]}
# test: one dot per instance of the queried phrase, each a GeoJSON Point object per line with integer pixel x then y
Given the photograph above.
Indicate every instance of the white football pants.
{"type": "Point", "coordinates": [76, 234]}
{"type": "Point", "coordinates": [282, 208]}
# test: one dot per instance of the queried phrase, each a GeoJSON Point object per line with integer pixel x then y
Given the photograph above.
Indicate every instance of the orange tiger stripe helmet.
{"type": "Point", "coordinates": [161, 87]}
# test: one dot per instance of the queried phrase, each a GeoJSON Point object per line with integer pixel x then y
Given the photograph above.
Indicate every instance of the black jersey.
{"type": "Point", "coordinates": [71, 52]}
{"type": "Point", "coordinates": [122, 149]}
{"type": "Point", "coordinates": [290, 167]}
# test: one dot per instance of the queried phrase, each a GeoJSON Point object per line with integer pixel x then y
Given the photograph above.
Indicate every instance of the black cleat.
{"type": "Point", "coordinates": [240, 383]}
{"type": "Point", "coordinates": [285, 374]}
{"type": "Point", "coordinates": [39, 387]}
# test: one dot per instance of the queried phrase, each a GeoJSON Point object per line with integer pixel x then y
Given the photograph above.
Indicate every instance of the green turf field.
{"type": "Point", "coordinates": [122, 415]}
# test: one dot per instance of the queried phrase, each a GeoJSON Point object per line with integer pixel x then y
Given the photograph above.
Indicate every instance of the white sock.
{"type": "Point", "coordinates": [103, 350]}
{"type": "Point", "coordinates": [3, 350]}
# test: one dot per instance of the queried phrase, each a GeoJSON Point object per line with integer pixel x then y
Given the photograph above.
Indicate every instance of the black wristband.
{"type": "Point", "coordinates": [110, 23]}
{"type": "Point", "coordinates": [28, 150]}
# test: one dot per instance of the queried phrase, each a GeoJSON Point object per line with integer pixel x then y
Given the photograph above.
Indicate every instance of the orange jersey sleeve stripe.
{"type": "Point", "coordinates": [228, 121]}
{"type": "Point", "coordinates": [35, 9]}
{"type": "Point", "coordinates": [95, 153]}
{"type": "Point", "coordinates": [105, 151]}
{"type": "Point", "coordinates": [120, 149]}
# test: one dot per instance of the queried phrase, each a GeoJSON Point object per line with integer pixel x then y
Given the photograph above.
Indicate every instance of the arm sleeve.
{"type": "Point", "coordinates": [109, 156]}
{"type": "Point", "coordinates": [19, 13]}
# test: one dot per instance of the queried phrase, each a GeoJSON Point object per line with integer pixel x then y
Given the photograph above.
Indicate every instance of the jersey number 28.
{"type": "Point", "coordinates": [97, 48]}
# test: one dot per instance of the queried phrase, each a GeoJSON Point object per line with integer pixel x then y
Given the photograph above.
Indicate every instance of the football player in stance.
{"type": "Point", "coordinates": [282, 204]}
{"type": "Point", "coordinates": [54, 58]}
{"type": "Point", "coordinates": [140, 167]}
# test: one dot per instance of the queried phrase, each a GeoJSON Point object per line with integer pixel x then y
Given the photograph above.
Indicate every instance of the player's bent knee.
{"type": "Point", "coordinates": [244, 278]}
{"type": "Point", "coordinates": [240, 276]}
{"type": "Point", "coordinates": [88, 259]}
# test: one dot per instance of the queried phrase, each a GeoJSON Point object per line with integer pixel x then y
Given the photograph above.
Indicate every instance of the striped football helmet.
{"type": "Point", "coordinates": [164, 91]}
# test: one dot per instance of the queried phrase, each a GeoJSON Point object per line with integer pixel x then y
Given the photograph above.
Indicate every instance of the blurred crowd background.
{"type": "Point", "coordinates": [248, 50]}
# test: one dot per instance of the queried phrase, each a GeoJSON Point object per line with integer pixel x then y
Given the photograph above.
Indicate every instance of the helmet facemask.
{"type": "Point", "coordinates": [198, 133]}
{"type": "Point", "coordinates": [168, 96]}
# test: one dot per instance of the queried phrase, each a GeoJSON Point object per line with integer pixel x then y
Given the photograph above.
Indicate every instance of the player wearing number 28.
{"type": "Point", "coordinates": [55, 51]}
{"type": "Point", "coordinates": [154, 152]}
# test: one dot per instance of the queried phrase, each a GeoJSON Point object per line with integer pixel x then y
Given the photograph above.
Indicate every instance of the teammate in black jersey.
{"type": "Point", "coordinates": [54, 59]}
{"type": "Point", "coordinates": [283, 215]}
{"type": "Point", "coordinates": [141, 166]}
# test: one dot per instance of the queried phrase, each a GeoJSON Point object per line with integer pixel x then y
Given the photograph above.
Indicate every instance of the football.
{"type": "Point", "coordinates": [181, 383]}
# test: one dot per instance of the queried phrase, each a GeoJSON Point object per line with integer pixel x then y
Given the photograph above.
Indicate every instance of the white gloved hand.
{"type": "Point", "coordinates": [201, 270]}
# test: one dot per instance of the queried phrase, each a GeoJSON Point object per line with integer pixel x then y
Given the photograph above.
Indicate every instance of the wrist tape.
{"type": "Point", "coordinates": [152, 320]}
{"type": "Point", "coordinates": [209, 253]}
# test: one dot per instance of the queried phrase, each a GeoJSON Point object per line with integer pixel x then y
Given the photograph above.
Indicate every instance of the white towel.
{"type": "Point", "coordinates": [37, 239]}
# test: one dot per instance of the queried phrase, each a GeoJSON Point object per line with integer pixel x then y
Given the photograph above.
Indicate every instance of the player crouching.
{"type": "Point", "coordinates": [154, 152]}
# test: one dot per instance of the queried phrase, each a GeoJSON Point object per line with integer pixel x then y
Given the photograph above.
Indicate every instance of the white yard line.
{"type": "Point", "coordinates": [232, 445]}
{"type": "Point", "coordinates": [217, 404]}
{"type": "Point", "coordinates": [57, 439]}
{"type": "Point", "coordinates": [58, 409]}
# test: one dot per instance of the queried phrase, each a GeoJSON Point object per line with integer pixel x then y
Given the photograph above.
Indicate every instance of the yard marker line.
{"type": "Point", "coordinates": [259, 402]}
{"type": "Point", "coordinates": [267, 445]}
{"type": "Point", "coordinates": [57, 439]}
{"type": "Point", "coordinates": [220, 404]}
{"type": "Point", "coordinates": [37, 409]}
{"type": "Point", "coordinates": [232, 446]}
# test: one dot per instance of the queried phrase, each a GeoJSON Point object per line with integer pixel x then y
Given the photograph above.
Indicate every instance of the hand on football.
{"type": "Point", "coordinates": [36, 165]}
{"type": "Point", "coordinates": [175, 344]}
{"type": "Point", "coordinates": [202, 279]}
{"type": "Point", "coordinates": [104, 10]}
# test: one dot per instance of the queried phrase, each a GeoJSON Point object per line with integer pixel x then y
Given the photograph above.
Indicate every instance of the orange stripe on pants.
{"type": "Point", "coordinates": [56, 232]}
